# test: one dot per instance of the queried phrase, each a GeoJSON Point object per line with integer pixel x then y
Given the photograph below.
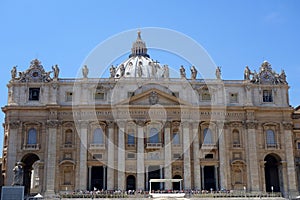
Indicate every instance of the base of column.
{"type": "Point", "coordinates": [50, 195]}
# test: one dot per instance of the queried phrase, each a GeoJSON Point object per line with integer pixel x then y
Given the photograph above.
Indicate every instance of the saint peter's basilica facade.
{"type": "Point", "coordinates": [118, 132]}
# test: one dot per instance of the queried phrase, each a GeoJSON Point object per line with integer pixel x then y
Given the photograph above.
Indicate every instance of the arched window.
{"type": "Point", "coordinates": [68, 136]}
{"type": "Point", "coordinates": [153, 136]}
{"type": "Point", "coordinates": [236, 138]}
{"type": "Point", "coordinates": [32, 136]}
{"type": "Point", "coordinates": [207, 136]}
{"type": "Point", "coordinates": [98, 136]}
{"type": "Point", "coordinates": [270, 137]}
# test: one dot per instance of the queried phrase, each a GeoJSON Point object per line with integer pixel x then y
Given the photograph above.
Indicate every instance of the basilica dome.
{"type": "Point", "coordinates": [139, 64]}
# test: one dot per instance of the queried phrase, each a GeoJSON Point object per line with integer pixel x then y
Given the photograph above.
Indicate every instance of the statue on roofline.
{"type": "Point", "coordinates": [182, 72]}
{"type": "Point", "coordinates": [55, 71]}
{"type": "Point", "coordinates": [14, 73]}
{"type": "Point", "coordinates": [247, 73]}
{"type": "Point", "coordinates": [218, 73]}
{"type": "Point", "coordinates": [193, 72]}
{"type": "Point", "coordinates": [85, 71]}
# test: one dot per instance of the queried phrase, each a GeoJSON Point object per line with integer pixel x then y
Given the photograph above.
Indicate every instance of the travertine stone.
{"type": "Point", "coordinates": [186, 155]}
{"type": "Point", "coordinates": [140, 157]}
{"type": "Point", "coordinates": [168, 157]}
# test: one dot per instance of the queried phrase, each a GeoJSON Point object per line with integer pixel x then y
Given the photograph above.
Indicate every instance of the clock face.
{"type": "Point", "coordinates": [35, 74]}
{"type": "Point", "coordinates": [267, 76]}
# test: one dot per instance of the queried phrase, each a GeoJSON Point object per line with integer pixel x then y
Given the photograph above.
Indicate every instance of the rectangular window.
{"type": "Point", "coordinates": [233, 97]}
{"type": "Point", "coordinates": [209, 156]}
{"type": "Point", "coordinates": [176, 139]}
{"type": "Point", "coordinates": [97, 156]}
{"type": "Point", "coordinates": [130, 140]}
{"type": "Point", "coordinates": [131, 155]}
{"type": "Point", "coordinates": [69, 96]}
{"type": "Point", "coordinates": [34, 94]}
{"type": "Point", "coordinates": [99, 95]}
{"type": "Point", "coordinates": [298, 145]}
{"type": "Point", "coordinates": [267, 96]}
{"type": "Point", "coordinates": [177, 156]}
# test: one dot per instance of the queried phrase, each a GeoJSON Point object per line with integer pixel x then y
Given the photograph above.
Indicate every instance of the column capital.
{"type": "Point", "coordinates": [110, 124]}
{"type": "Point", "coordinates": [195, 125]}
{"type": "Point", "coordinates": [14, 124]}
{"type": "Point", "coordinates": [83, 124]}
{"type": "Point", "coordinates": [140, 123]}
{"type": "Point", "coordinates": [121, 123]}
{"type": "Point", "coordinates": [287, 125]}
{"type": "Point", "coordinates": [176, 123]}
{"type": "Point", "coordinates": [283, 163]}
{"type": "Point", "coordinates": [53, 123]}
{"type": "Point", "coordinates": [168, 124]}
{"type": "Point", "coordinates": [185, 124]}
{"type": "Point", "coordinates": [251, 125]}
{"type": "Point", "coordinates": [262, 163]}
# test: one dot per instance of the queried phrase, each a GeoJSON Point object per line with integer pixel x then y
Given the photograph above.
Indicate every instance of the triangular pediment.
{"type": "Point", "coordinates": [153, 97]}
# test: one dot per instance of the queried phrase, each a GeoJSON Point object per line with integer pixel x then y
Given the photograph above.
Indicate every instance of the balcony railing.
{"type": "Point", "coordinates": [67, 146]}
{"type": "Point", "coordinates": [31, 146]}
{"type": "Point", "coordinates": [97, 146]}
{"type": "Point", "coordinates": [154, 145]}
{"type": "Point", "coordinates": [209, 146]}
{"type": "Point", "coordinates": [236, 145]}
{"type": "Point", "coordinates": [272, 146]}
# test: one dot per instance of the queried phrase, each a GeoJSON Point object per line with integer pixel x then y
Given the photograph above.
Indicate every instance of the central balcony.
{"type": "Point", "coordinates": [97, 146]}
{"type": "Point", "coordinates": [153, 145]}
{"type": "Point", "coordinates": [31, 147]}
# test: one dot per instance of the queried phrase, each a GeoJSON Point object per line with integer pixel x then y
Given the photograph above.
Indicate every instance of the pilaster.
{"type": "Point", "coordinates": [121, 155]}
{"type": "Point", "coordinates": [197, 173]}
{"type": "Point", "coordinates": [168, 155]}
{"type": "Point", "coordinates": [292, 186]}
{"type": "Point", "coordinates": [140, 167]}
{"type": "Point", "coordinates": [110, 156]}
{"type": "Point", "coordinates": [11, 151]}
{"type": "Point", "coordinates": [83, 155]}
{"type": "Point", "coordinates": [186, 155]}
{"type": "Point", "coordinates": [52, 126]}
{"type": "Point", "coordinates": [223, 156]}
{"type": "Point", "coordinates": [252, 157]}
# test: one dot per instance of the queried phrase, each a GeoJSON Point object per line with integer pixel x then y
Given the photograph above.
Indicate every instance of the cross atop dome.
{"type": "Point", "coordinates": [139, 47]}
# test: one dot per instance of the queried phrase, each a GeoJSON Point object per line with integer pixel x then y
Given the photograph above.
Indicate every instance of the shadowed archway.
{"type": "Point", "coordinates": [28, 160]}
{"type": "Point", "coordinates": [272, 175]}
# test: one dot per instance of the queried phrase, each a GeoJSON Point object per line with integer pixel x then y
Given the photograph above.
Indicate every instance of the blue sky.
{"type": "Point", "coordinates": [234, 33]}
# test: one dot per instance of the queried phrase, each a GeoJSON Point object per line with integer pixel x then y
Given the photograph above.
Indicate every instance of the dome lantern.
{"type": "Point", "coordinates": [139, 47]}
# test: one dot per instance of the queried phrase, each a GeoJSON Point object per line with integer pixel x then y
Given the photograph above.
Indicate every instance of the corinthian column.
{"type": "Point", "coordinates": [121, 156]}
{"type": "Point", "coordinates": [223, 155]}
{"type": "Point", "coordinates": [186, 155]}
{"type": "Point", "coordinates": [292, 186]}
{"type": "Point", "coordinates": [168, 156]}
{"type": "Point", "coordinates": [197, 176]}
{"type": "Point", "coordinates": [51, 157]}
{"type": "Point", "coordinates": [83, 156]}
{"type": "Point", "coordinates": [12, 150]}
{"type": "Point", "coordinates": [110, 156]}
{"type": "Point", "coordinates": [252, 156]}
{"type": "Point", "coordinates": [140, 165]}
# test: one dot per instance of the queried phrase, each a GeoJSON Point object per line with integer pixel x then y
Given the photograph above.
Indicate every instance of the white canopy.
{"type": "Point", "coordinates": [164, 180]}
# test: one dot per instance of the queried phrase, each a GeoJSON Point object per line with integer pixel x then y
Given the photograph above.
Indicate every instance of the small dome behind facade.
{"type": "Point", "coordinates": [139, 64]}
